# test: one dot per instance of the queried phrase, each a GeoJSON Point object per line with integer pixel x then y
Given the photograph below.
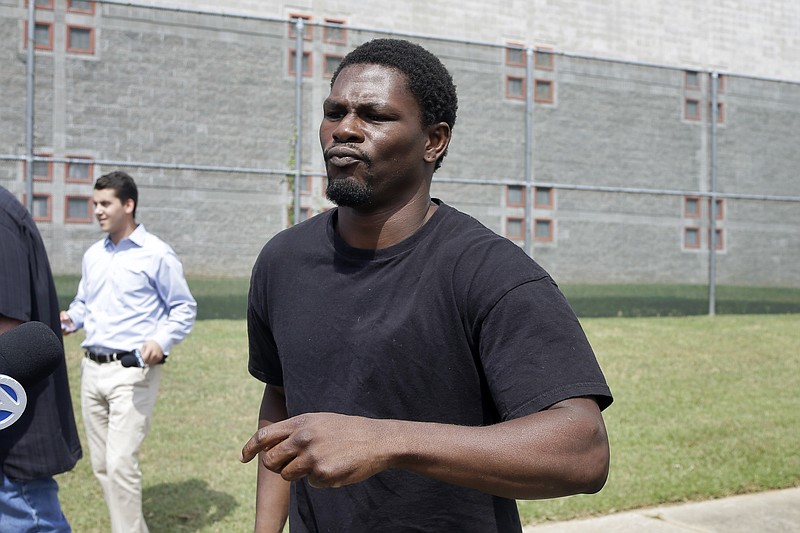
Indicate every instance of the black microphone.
{"type": "Point", "coordinates": [28, 353]}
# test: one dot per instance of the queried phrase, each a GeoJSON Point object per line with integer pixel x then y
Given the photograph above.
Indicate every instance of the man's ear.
{"type": "Point", "coordinates": [438, 141]}
{"type": "Point", "coordinates": [129, 206]}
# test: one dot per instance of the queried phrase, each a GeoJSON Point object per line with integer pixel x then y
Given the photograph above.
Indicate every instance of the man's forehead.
{"type": "Point", "coordinates": [370, 82]}
{"type": "Point", "coordinates": [369, 75]}
{"type": "Point", "coordinates": [105, 194]}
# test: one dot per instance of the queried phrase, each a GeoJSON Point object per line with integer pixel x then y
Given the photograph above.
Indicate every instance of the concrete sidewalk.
{"type": "Point", "coordinates": [766, 512]}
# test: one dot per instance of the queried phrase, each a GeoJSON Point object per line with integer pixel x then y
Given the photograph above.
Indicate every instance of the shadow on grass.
{"type": "Point", "coordinates": [185, 506]}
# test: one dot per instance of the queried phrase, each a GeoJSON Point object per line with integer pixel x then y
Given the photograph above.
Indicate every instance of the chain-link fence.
{"type": "Point", "coordinates": [605, 171]}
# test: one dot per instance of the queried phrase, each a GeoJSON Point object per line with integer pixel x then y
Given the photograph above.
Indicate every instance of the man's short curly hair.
{"type": "Point", "coordinates": [428, 79]}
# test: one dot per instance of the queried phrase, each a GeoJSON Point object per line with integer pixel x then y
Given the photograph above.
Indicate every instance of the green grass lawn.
{"type": "Point", "coordinates": [227, 298]}
{"type": "Point", "coordinates": [704, 407]}
{"type": "Point", "coordinates": [216, 297]}
{"type": "Point", "coordinates": [678, 300]}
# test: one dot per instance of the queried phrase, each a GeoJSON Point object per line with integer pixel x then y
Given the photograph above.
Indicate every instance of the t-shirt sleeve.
{"type": "Point", "coordinates": [535, 353]}
{"type": "Point", "coordinates": [264, 363]}
{"type": "Point", "coordinates": [15, 289]}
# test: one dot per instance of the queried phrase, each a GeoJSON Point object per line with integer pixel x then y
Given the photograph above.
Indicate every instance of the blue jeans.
{"type": "Point", "coordinates": [31, 506]}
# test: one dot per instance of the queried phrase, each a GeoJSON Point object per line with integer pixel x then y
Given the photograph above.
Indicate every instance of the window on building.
{"type": "Point", "coordinates": [42, 35]}
{"type": "Point", "coordinates": [305, 214]}
{"type": "Point", "coordinates": [719, 243]}
{"type": "Point", "coordinates": [515, 195]}
{"type": "Point", "coordinates": [306, 63]}
{"type": "Point", "coordinates": [80, 6]}
{"type": "Point", "coordinates": [42, 4]}
{"type": "Point", "coordinates": [336, 33]}
{"type": "Point", "coordinates": [691, 206]}
{"type": "Point", "coordinates": [515, 55]}
{"type": "Point", "coordinates": [720, 208]}
{"type": "Point", "coordinates": [308, 31]}
{"type": "Point", "coordinates": [543, 59]}
{"type": "Point", "coordinates": [79, 172]}
{"type": "Point", "coordinates": [720, 112]}
{"type": "Point", "coordinates": [543, 91]}
{"type": "Point", "coordinates": [543, 230]}
{"type": "Point", "coordinates": [43, 170]}
{"type": "Point", "coordinates": [515, 228]}
{"type": "Point", "coordinates": [305, 184]}
{"type": "Point", "coordinates": [543, 197]}
{"type": "Point", "coordinates": [692, 80]}
{"type": "Point", "coordinates": [515, 87]}
{"type": "Point", "coordinates": [80, 39]}
{"type": "Point", "coordinates": [691, 109]}
{"type": "Point", "coordinates": [331, 64]}
{"type": "Point", "coordinates": [78, 209]}
{"type": "Point", "coordinates": [41, 208]}
{"type": "Point", "coordinates": [691, 237]}
{"type": "Point", "coordinates": [720, 83]}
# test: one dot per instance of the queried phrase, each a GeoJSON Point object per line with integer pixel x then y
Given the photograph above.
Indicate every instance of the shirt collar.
{"type": "Point", "coordinates": [136, 238]}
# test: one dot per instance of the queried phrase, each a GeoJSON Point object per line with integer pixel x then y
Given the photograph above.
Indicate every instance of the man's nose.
{"type": "Point", "coordinates": [348, 129]}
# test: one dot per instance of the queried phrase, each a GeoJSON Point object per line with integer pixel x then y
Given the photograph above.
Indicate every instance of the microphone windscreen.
{"type": "Point", "coordinates": [30, 352]}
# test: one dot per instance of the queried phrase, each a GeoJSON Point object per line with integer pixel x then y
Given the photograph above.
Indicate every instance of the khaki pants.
{"type": "Point", "coordinates": [117, 405]}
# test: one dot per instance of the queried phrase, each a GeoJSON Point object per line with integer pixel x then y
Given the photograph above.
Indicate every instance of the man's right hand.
{"type": "Point", "coordinates": [330, 449]}
{"type": "Point", "coordinates": [67, 325]}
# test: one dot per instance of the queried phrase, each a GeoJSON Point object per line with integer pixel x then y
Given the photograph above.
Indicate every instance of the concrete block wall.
{"type": "Point", "coordinates": [744, 36]}
{"type": "Point", "coordinates": [176, 88]}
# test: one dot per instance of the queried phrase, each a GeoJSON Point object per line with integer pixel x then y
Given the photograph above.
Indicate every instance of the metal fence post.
{"type": "Point", "coordinates": [298, 109]}
{"type": "Point", "coordinates": [30, 88]}
{"type": "Point", "coordinates": [529, 189]}
{"type": "Point", "coordinates": [712, 211]}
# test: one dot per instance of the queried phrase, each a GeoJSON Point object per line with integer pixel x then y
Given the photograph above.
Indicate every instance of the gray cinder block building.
{"type": "Point", "coordinates": [586, 134]}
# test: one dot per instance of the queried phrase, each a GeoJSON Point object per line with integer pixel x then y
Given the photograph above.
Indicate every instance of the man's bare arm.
{"type": "Point", "coordinates": [559, 451]}
{"type": "Point", "coordinates": [8, 323]}
{"type": "Point", "coordinates": [272, 491]}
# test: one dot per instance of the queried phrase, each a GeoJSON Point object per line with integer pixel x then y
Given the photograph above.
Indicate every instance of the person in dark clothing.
{"type": "Point", "coordinates": [421, 372]}
{"type": "Point", "coordinates": [44, 441]}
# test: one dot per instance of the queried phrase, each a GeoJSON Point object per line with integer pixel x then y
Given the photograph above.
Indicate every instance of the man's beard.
{"type": "Point", "coordinates": [348, 192]}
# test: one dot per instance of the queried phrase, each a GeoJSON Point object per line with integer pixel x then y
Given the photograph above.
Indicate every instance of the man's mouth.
{"type": "Point", "coordinates": [344, 156]}
{"type": "Point", "coordinates": [339, 161]}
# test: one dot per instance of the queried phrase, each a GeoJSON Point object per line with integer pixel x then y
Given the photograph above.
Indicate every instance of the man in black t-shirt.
{"type": "Point", "coordinates": [421, 372]}
{"type": "Point", "coordinates": [44, 441]}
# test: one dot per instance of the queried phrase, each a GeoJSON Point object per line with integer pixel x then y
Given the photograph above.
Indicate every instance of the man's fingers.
{"type": "Point", "coordinates": [263, 439]}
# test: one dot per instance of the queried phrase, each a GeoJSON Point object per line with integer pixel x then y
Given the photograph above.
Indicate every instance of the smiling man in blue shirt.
{"type": "Point", "coordinates": [132, 300]}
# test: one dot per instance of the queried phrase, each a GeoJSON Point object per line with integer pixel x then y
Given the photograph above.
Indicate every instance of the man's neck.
{"type": "Point", "coordinates": [117, 236]}
{"type": "Point", "coordinates": [378, 229]}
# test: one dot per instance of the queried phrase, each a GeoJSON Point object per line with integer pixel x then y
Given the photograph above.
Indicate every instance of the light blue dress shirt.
{"type": "Point", "coordinates": [132, 292]}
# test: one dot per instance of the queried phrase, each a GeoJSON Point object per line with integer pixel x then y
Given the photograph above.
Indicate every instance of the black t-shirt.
{"type": "Point", "coordinates": [44, 441]}
{"type": "Point", "coordinates": [455, 325]}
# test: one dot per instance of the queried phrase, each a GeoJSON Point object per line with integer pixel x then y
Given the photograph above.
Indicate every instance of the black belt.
{"type": "Point", "coordinates": [106, 357]}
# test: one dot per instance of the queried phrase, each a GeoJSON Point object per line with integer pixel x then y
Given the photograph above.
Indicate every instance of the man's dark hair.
{"type": "Point", "coordinates": [123, 185]}
{"type": "Point", "coordinates": [428, 79]}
